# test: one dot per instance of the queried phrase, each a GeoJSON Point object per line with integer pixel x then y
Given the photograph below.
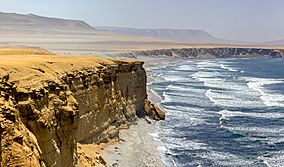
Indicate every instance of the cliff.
{"type": "Point", "coordinates": [49, 104]}
{"type": "Point", "coordinates": [222, 52]}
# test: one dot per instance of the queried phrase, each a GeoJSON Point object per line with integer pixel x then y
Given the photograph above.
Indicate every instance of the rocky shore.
{"type": "Point", "coordinates": [211, 52]}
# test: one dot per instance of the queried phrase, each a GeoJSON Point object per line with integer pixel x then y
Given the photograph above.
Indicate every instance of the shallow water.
{"type": "Point", "coordinates": [227, 112]}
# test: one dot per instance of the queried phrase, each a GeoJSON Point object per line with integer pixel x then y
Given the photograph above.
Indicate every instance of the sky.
{"type": "Point", "coordinates": [243, 20]}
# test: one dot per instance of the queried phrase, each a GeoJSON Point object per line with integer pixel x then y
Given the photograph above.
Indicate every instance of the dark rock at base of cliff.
{"type": "Point", "coordinates": [161, 114]}
{"type": "Point", "coordinates": [154, 112]}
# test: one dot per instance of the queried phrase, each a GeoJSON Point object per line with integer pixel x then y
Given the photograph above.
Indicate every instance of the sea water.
{"type": "Point", "coordinates": [221, 112]}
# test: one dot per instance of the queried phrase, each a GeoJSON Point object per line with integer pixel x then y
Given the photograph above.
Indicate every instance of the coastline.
{"type": "Point", "coordinates": [76, 95]}
{"type": "Point", "coordinates": [137, 145]}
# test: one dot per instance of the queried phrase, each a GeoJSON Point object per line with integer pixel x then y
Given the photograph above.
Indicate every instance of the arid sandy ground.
{"type": "Point", "coordinates": [86, 43]}
{"type": "Point", "coordinates": [31, 66]}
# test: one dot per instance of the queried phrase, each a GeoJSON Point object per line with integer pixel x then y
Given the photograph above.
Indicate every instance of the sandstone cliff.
{"type": "Point", "coordinates": [213, 52]}
{"type": "Point", "coordinates": [50, 103]}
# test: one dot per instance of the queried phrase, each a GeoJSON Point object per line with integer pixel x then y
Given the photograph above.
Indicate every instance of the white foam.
{"type": "Point", "coordinates": [184, 91]}
{"type": "Point", "coordinates": [226, 67]}
{"type": "Point", "coordinates": [275, 139]}
{"type": "Point", "coordinates": [178, 108]}
{"type": "Point", "coordinates": [173, 78]}
{"type": "Point", "coordinates": [217, 80]}
{"type": "Point", "coordinates": [155, 78]}
{"type": "Point", "coordinates": [276, 159]}
{"type": "Point", "coordinates": [208, 94]}
{"type": "Point", "coordinates": [207, 64]}
{"type": "Point", "coordinates": [205, 74]}
{"type": "Point", "coordinates": [271, 115]}
{"type": "Point", "coordinates": [186, 68]}
{"type": "Point", "coordinates": [193, 116]}
{"type": "Point", "coordinates": [261, 131]}
{"type": "Point", "coordinates": [269, 99]}
{"type": "Point", "coordinates": [159, 75]}
{"type": "Point", "coordinates": [153, 68]}
{"type": "Point", "coordinates": [162, 149]}
{"type": "Point", "coordinates": [167, 98]}
{"type": "Point", "coordinates": [231, 98]}
{"type": "Point", "coordinates": [210, 79]}
{"type": "Point", "coordinates": [225, 158]}
{"type": "Point", "coordinates": [176, 88]}
{"type": "Point", "coordinates": [154, 135]}
{"type": "Point", "coordinates": [188, 99]}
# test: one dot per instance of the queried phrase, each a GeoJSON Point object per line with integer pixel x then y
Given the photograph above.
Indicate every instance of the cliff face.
{"type": "Point", "coordinates": [48, 104]}
{"type": "Point", "coordinates": [107, 99]}
{"type": "Point", "coordinates": [211, 53]}
{"type": "Point", "coordinates": [38, 125]}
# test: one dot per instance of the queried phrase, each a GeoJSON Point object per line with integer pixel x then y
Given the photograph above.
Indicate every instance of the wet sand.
{"type": "Point", "coordinates": [135, 148]}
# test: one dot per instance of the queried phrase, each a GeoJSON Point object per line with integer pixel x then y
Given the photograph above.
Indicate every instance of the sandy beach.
{"type": "Point", "coordinates": [135, 148]}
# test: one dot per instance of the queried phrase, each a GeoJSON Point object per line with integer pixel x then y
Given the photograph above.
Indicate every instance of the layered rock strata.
{"type": "Point", "coordinates": [210, 53]}
{"type": "Point", "coordinates": [50, 103]}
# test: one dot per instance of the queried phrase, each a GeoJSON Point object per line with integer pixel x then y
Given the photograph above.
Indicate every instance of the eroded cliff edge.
{"type": "Point", "coordinates": [211, 52]}
{"type": "Point", "coordinates": [49, 103]}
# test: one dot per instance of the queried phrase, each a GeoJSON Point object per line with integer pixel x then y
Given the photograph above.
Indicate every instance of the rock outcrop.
{"type": "Point", "coordinates": [210, 53]}
{"type": "Point", "coordinates": [154, 112]}
{"type": "Point", "coordinates": [50, 103]}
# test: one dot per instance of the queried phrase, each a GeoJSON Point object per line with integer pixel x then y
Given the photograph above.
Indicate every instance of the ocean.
{"type": "Point", "coordinates": [221, 112]}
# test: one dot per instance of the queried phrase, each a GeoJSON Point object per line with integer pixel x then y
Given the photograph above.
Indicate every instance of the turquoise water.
{"type": "Point", "coordinates": [226, 112]}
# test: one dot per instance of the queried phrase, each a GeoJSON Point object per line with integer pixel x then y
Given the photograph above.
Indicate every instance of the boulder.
{"type": "Point", "coordinates": [154, 112]}
{"type": "Point", "coordinates": [160, 113]}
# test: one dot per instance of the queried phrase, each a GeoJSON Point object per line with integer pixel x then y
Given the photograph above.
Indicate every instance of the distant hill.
{"type": "Point", "coordinates": [186, 35]}
{"type": "Point", "coordinates": [31, 22]}
{"type": "Point", "coordinates": [65, 36]}
{"type": "Point", "coordinates": [275, 43]}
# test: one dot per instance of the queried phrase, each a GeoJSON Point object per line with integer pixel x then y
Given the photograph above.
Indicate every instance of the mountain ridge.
{"type": "Point", "coordinates": [279, 42]}
{"type": "Point", "coordinates": [22, 22]}
{"type": "Point", "coordinates": [185, 35]}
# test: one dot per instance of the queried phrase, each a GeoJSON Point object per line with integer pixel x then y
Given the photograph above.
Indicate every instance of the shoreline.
{"type": "Point", "coordinates": [137, 145]}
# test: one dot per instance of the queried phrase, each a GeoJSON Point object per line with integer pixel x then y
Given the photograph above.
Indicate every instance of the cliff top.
{"type": "Point", "coordinates": [28, 67]}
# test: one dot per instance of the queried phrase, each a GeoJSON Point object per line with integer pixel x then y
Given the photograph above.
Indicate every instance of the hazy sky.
{"type": "Point", "coordinates": [249, 20]}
